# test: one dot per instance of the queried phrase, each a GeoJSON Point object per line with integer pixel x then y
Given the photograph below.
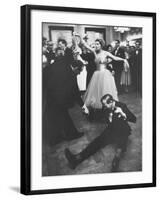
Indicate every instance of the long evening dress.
{"type": "Point", "coordinates": [101, 83]}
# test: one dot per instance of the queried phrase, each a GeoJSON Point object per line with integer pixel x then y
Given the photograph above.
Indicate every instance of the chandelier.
{"type": "Point", "coordinates": [121, 29]}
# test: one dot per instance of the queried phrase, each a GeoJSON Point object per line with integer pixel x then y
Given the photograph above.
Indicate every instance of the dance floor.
{"type": "Point", "coordinates": [55, 163]}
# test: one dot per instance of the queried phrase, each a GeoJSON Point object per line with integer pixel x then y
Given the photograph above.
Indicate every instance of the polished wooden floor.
{"type": "Point", "coordinates": [55, 163]}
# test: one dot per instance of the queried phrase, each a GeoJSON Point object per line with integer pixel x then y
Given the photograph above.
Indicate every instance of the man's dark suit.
{"type": "Point", "coordinates": [50, 55]}
{"type": "Point", "coordinates": [69, 58]}
{"type": "Point", "coordinates": [62, 91]}
{"type": "Point", "coordinates": [116, 132]}
{"type": "Point", "coordinates": [138, 70]}
{"type": "Point", "coordinates": [118, 66]}
{"type": "Point", "coordinates": [90, 67]}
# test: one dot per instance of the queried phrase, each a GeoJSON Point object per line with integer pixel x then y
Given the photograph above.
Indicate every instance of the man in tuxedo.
{"type": "Point", "coordinates": [138, 68]}
{"type": "Point", "coordinates": [116, 132]}
{"type": "Point", "coordinates": [68, 54]}
{"type": "Point", "coordinates": [49, 53]}
{"type": "Point", "coordinates": [91, 65]}
{"type": "Point", "coordinates": [62, 92]}
{"type": "Point", "coordinates": [118, 65]}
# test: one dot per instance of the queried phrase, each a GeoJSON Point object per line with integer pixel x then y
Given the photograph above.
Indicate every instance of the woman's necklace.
{"type": "Point", "coordinates": [99, 51]}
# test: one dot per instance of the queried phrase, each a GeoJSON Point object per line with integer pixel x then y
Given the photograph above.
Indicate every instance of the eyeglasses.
{"type": "Point", "coordinates": [109, 101]}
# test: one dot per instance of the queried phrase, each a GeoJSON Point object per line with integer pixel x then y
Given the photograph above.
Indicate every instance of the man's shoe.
{"type": "Point", "coordinates": [73, 162]}
{"type": "Point", "coordinates": [115, 165]}
{"type": "Point", "coordinates": [74, 136]}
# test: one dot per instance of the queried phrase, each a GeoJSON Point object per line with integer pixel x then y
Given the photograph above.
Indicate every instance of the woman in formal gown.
{"type": "Point", "coordinates": [102, 81]}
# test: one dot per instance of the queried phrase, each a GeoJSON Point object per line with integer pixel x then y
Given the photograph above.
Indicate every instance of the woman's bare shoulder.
{"type": "Point", "coordinates": [106, 53]}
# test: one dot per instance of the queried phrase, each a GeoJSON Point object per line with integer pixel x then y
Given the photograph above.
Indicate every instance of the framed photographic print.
{"type": "Point", "coordinates": [88, 99]}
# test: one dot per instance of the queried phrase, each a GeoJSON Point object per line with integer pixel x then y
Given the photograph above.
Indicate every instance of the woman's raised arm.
{"type": "Point", "coordinates": [116, 58]}
{"type": "Point", "coordinates": [87, 46]}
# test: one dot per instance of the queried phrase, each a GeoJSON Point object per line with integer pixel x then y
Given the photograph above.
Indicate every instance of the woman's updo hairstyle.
{"type": "Point", "coordinates": [101, 41]}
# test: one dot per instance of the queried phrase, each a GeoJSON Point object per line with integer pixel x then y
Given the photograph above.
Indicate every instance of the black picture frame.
{"type": "Point", "coordinates": [25, 182]}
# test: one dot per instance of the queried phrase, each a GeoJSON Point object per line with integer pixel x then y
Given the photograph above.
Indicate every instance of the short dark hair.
{"type": "Point", "coordinates": [77, 63]}
{"type": "Point", "coordinates": [117, 41]}
{"type": "Point", "coordinates": [110, 98]}
{"type": "Point", "coordinates": [108, 46]}
{"type": "Point", "coordinates": [63, 41]}
{"type": "Point", "coordinates": [101, 42]}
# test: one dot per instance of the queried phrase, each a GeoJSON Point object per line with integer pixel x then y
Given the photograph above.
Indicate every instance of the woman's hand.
{"type": "Point", "coordinates": [85, 110]}
{"type": "Point", "coordinates": [113, 72]}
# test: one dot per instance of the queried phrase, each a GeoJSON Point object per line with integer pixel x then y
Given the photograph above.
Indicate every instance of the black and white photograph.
{"type": "Point", "coordinates": [88, 99]}
{"type": "Point", "coordinates": [92, 99]}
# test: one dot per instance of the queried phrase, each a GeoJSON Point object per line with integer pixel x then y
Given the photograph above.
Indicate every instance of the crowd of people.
{"type": "Point", "coordinates": [109, 73]}
{"type": "Point", "coordinates": [126, 80]}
